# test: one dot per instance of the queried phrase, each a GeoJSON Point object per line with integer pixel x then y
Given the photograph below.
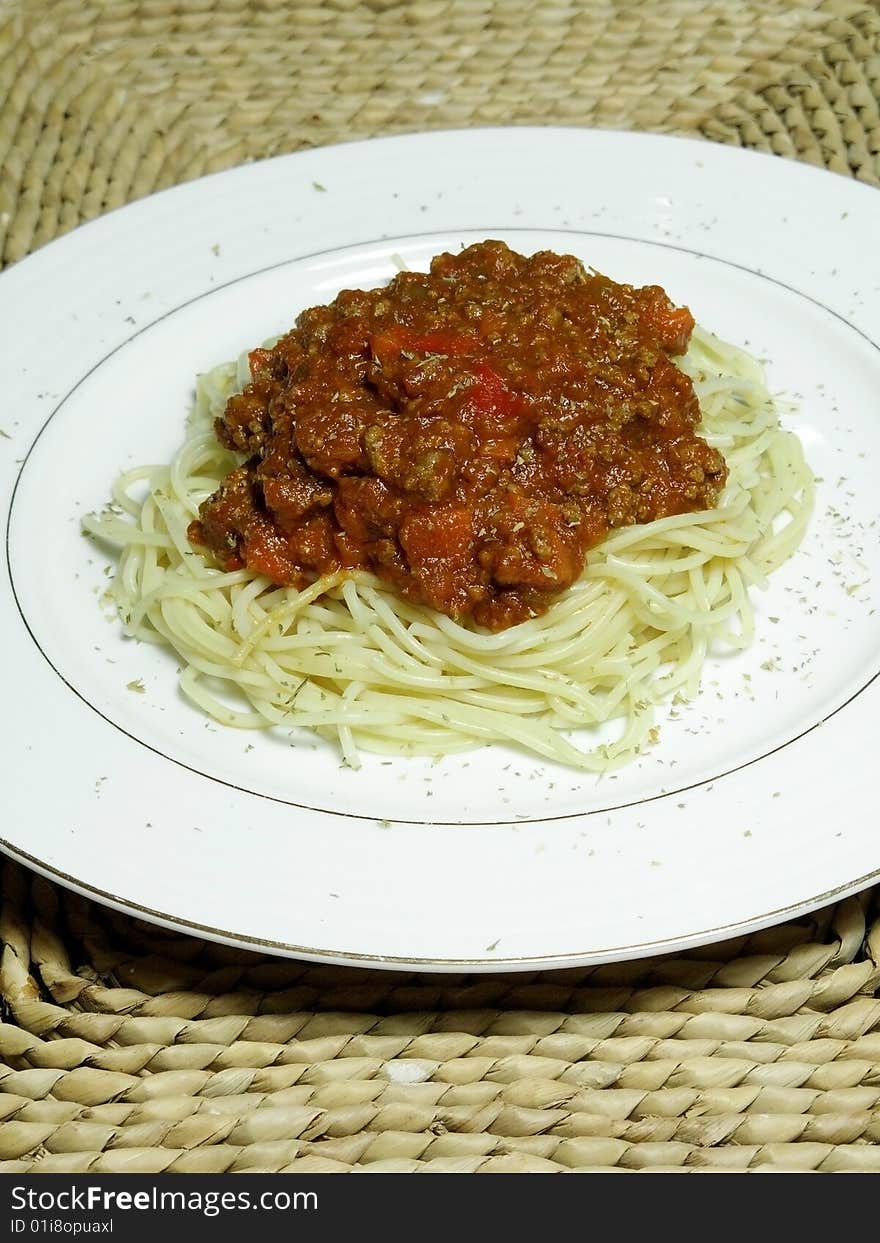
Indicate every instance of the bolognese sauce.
{"type": "Point", "coordinates": [466, 434]}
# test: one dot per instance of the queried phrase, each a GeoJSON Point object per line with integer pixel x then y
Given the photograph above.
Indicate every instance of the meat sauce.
{"type": "Point", "coordinates": [467, 434]}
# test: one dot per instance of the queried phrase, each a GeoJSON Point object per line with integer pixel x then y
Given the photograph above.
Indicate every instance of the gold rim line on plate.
{"type": "Point", "coordinates": [704, 936]}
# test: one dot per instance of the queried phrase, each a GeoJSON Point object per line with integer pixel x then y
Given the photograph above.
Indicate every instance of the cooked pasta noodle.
{"type": "Point", "coordinates": [350, 659]}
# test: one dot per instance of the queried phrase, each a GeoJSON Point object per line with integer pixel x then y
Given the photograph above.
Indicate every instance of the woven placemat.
{"type": "Point", "coordinates": [126, 1048]}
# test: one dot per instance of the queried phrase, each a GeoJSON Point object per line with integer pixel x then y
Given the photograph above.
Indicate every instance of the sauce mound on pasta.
{"type": "Point", "coordinates": [467, 434]}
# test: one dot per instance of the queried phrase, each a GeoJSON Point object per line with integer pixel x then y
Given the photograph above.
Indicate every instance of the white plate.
{"type": "Point", "coordinates": [759, 801]}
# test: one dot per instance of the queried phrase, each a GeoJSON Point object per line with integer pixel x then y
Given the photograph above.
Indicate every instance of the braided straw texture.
{"type": "Point", "coordinates": [105, 102]}
{"type": "Point", "coordinates": [125, 1048]}
{"type": "Point", "coordinates": [131, 1049]}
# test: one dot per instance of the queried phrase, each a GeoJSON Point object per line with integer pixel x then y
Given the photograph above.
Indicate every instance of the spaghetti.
{"type": "Point", "coordinates": [350, 658]}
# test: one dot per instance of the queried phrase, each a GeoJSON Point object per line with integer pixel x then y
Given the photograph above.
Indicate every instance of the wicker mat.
{"type": "Point", "coordinates": [125, 1048]}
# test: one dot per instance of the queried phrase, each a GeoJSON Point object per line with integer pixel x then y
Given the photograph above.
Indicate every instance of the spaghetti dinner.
{"type": "Point", "coordinates": [508, 500]}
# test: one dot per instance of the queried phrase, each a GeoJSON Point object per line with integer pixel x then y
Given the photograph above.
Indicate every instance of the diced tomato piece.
{"type": "Point", "coordinates": [437, 543]}
{"type": "Point", "coordinates": [491, 394]}
{"type": "Point", "coordinates": [499, 411]}
{"type": "Point", "coordinates": [399, 339]}
{"type": "Point", "coordinates": [442, 341]}
{"type": "Point", "coordinates": [671, 326]}
{"type": "Point", "coordinates": [267, 553]}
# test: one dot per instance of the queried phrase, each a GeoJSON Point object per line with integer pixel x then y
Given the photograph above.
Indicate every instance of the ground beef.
{"type": "Point", "coordinates": [466, 434]}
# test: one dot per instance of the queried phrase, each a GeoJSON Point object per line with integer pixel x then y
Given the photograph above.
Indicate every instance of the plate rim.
{"type": "Point", "coordinates": [544, 962]}
{"type": "Point", "coordinates": [696, 142]}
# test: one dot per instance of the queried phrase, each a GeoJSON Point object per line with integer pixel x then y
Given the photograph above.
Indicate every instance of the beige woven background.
{"type": "Point", "coordinates": [123, 1048]}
